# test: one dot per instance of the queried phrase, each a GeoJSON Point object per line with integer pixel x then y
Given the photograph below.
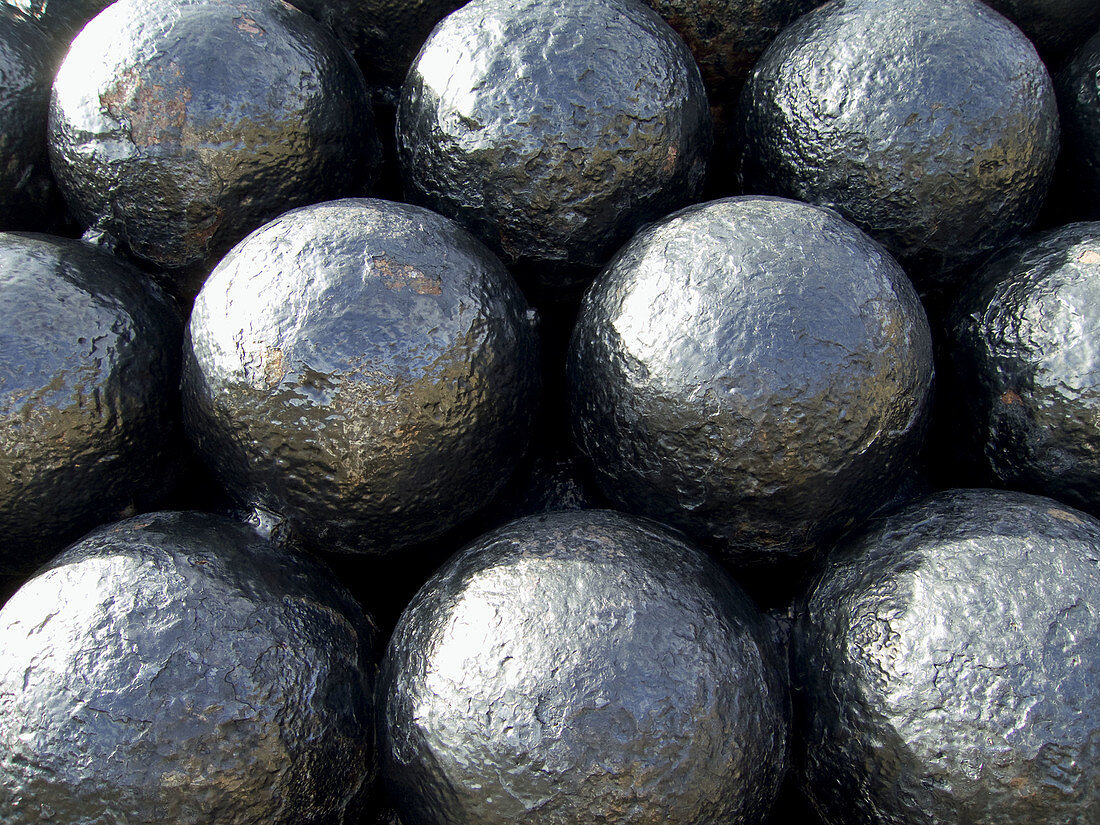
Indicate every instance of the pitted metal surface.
{"type": "Point", "coordinates": [931, 124]}
{"type": "Point", "coordinates": [176, 667]}
{"type": "Point", "coordinates": [552, 131]}
{"type": "Point", "coordinates": [946, 666]}
{"type": "Point", "coordinates": [178, 126]}
{"type": "Point", "coordinates": [582, 666]}
{"type": "Point", "coordinates": [366, 369]}
{"type": "Point", "coordinates": [754, 371]}
{"type": "Point", "coordinates": [1024, 363]}
{"type": "Point", "coordinates": [89, 401]}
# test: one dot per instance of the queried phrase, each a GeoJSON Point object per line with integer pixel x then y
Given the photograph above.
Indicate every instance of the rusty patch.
{"type": "Point", "coordinates": [153, 113]}
{"type": "Point", "coordinates": [249, 26]}
{"type": "Point", "coordinates": [670, 160]}
{"type": "Point", "coordinates": [1089, 256]}
{"type": "Point", "coordinates": [1064, 515]}
{"type": "Point", "coordinates": [399, 276]}
{"type": "Point", "coordinates": [1010, 397]}
{"type": "Point", "coordinates": [274, 366]}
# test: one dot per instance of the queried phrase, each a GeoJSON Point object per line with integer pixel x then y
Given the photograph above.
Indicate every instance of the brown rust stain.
{"type": "Point", "coordinates": [1089, 256]}
{"type": "Point", "coordinates": [1064, 515]}
{"type": "Point", "coordinates": [399, 276]}
{"type": "Point", "coordinates": [155, 112]}
{"type": "Point", "coordinates": [249, 26]}
{"type": "Point", "coordinates": [274, 366]}
{"type": "Point", "coordinates": [1010, 397]}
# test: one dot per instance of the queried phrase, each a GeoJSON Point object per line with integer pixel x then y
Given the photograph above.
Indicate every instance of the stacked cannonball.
{"type": "Point", "coordinates": [589, 411]}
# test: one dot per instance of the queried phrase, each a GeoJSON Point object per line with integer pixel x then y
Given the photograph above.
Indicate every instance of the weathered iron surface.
{"type": "Point", "coordinates": [1056, 27]}
{"type": "Point", "coordinates": [178, 126]}
{"type": "Point", "coordinates": [1023, 367]}
{"type": "Point", "coordinates": [176, 667]}
{"type": "Point", "coordinates": [383, 35]}
{"type": "Point", "coordinates": [946, 666]}
{"type": "Point", "coordinates": [931, 124]}
{"type": "Point", "coordinates": [553, 130]}
{"type": "Point", "coordinates": [89, 401]}
{"type": "Point", "coordinates": [582, 666]}
{"type": "Point", "coordinates": [366, 369]}
{"type": "Point", "coordinates": [1079, 105]}
{"type": "Point", "coordinates": [753, 370]}
{"type": "Point", "coordinates": [26, 186]}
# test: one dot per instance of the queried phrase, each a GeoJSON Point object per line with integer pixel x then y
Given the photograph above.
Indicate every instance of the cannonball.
{"type": "Point", "coordinates": [754, 371]}
{"type": "Point", "coordinates": [1078, 87]}
{"type": "Point", "coordinates": [553, 130]}
{"type": "Point", "coordinates": [178, 126]}
{"type": "Point", "coordinates": [582, 666]}
{"type": "Point", "coordinates": [931, 124]}
{"type": "Point", "coordinates": [946, 666]}
{"type": "Point", "coordinates": [365, 369]}
{"type": "Point", "coordinates": [1023, 367]}
{"type": "Point", "coordinates": [89, 399]}
{"type": "Point", "coordinates": [176, 667]}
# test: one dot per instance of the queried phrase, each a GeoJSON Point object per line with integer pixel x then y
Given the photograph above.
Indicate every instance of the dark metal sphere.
{"type": "Point", "coordinates": [1023, 359]}
{"type": "Point", "coordinates": [177, 668]}
{"type": "Point", "coordinates": [755, 371]}
{"type": "Point", "coordinates": [1079, 105]}
{"type": "Point", "coordinates": [553, 130]}
{"type": "Point", "coordinates": [947, 667]}
{"type": "Point", "coordinates": [89, 406]}
{"type": "Point", "coordinates": [27, 75]}
{"type": "Point", "coordinates": [178, 126]}
{"type": "Point", "coordinates": [931, 124]}
{"type": "Point", "coordinates": [577, 667]}
{"type": "Point", "coordinates": [367, 369]}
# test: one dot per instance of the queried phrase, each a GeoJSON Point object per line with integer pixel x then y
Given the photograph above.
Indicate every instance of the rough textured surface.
{"type": "Point", "coordinates": [177, 668]}
{"type": "Point", "coordinates": [1023, 360]}
{"type": "Point", "coordinates": [89, 407]}
{"type": "Point", "coordinates": [726, 37]}
{"type": "Point", "coordinates": [755, 371]}
{"type": "Point", "coordinates": [1079, 106]}
{"type": "Point", "coordinates": [383, 35]}
{"type": "Point", "coordinates": [552, 131]}
{"type": "Point", "coordinates": [931, 124]}
{"type": "Point", "coordinates": [582, 667]}
{"type": "Point", "coordinates": [1056, 27]}
{"type": "Point", "coordinates": [178, 126]}
{"type": "Point", "coordinates": [367, 369]}
{"type": "Point", "coordinates": [26, 75]}
{"type": "Point", "coordinates": [948, 662]}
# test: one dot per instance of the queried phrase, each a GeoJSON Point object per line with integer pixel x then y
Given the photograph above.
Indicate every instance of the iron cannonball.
{"type": "Point", "coordinates": [754, 371]}
{"type": "Point", "coordinates": [578, 667]}
{"type": "Point", "coordinates": [179, 126]}
{"type": "Point", "coordinates": [176, 667]}
{"type": "Point", "coordinates": [1022, 367]}
{"type": "Point", "coordinates": [553, 130]}
{"type": "Point", "coordinates": [945, 666]}
{"type": "Point", "coordinates": [931, 124]}
{"type": "Point", "coordinates": [89, 398]}
{"type": "Point", "coordinates": [363, 368]}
